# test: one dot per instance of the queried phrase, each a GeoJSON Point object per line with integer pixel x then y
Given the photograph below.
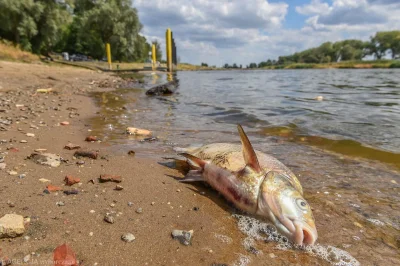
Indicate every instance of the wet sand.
{"type": "Point", "coordinates": [166, 203]}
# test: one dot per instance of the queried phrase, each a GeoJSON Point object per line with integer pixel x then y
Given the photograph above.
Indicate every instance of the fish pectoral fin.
{"type": "Point", "coordinates": [249, 154]}
{"type": "Point", "coordinates": [194, 161]}
{"type": "Point", "coordinates": [192, 176]}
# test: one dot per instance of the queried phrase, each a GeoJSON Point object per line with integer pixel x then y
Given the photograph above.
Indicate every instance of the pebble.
{"type": "Point", "coordinates": [23, 141]}
{"type": "Point", "coordinates": [128, 237]}
{"type": "Point", "coordinates": [109, 219]}
{"type": "Point", "coordinates": [184, 237]}
{"type": "Point", "coordinates": [22, 176]}
{"type": "Point", "coordinates": [30, 135]}
{"type": "Point", "coordinates": [272, 255]}
{"type": "Point", "coordinates": [130, 204]}
{"type": "Point", "coordinates": [139, 210]}
{"type": "Point", "coordinates": [119, 188]}
{"type": "Point", "coordinates": [91, 234]}
{"type": "Point", "coordinates": [2, 166]}
{"type": "Point", "coordinates": [92, 211]}
{"type": "Point", "coordinates": [12, 173]}
{"type": "Point", "coordinates": [60, 203]}
{"type": "Point", "coordinates": [27, 258]}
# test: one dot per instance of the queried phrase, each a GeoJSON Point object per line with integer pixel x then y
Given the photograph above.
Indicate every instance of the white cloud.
{"type": "Point", "coordinates": [206, 26]}
{"type": "Point", "coordinates": [239, 31]}
{"type": "Point", "coordinates": [315, 7]}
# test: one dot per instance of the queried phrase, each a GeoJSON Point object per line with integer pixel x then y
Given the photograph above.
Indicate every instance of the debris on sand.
{"type": "Point", "coordinates": [91, 138]}
{"type": "Point", "coordinates": [88, 154]}
{"type": "Point", "coordinates": [11, 225]}
{"type": "Point", "coordinates": [110, 178]}
{"type": "Point", "coordinates": [70, 180]}
{"type": "Point", "coordinates": [52, 188]}
{"type": "Point", "coordinates": [138, 131]}
{"type": "Point", "coordinates": [65, 256]}
{"type": "Point", "coordinates": [184, 237]}
{"type": "Point", "coordinates": [48, 159]}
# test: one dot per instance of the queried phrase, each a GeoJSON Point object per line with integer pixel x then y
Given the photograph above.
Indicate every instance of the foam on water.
{"type": "Point", "coordinates": [259, 230]}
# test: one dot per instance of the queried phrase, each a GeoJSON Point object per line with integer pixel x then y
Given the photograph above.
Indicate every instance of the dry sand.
{"type": "Point", "coordinates": [166, 204]}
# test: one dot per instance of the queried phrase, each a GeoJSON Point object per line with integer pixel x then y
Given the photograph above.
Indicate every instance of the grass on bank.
{"type": "Point", "coordinates": [9, 52]}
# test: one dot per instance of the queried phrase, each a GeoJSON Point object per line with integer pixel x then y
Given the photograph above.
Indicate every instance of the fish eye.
{"type": "Point", "coordinates": [302, 204]}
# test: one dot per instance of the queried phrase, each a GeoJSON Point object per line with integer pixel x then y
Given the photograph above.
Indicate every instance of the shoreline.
{"type": "Point", "coordinates": [166, 204]}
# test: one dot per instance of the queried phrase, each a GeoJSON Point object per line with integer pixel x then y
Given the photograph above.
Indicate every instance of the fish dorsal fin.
{"type": "Point", "coordinates": [249, 154]}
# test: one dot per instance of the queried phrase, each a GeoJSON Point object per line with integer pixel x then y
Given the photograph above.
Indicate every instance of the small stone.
{"type": "Point", "coordinates": [12, 172]}
{"type": "Point", "coordinates": [2, 166]}
{"type": "Point", "coordinates": [130, 204]}
{"type": "Point", "coordinates": [110, 178]}
{"type": "Point", "coordinates": [30, 135]}
{"type": "Point", "coordinates": [153, 203]}
{"type": "Point", "coordinates": [119, 188]}
{"type": "Point", "coordinates": [27, 258]}
{"type": "Point", "coordinates": [60, 203]}
{"type": "Point", "coordinates": [11, 204]}
{"type": "Point", "coordinates": [71, 146]}
{"type": "Point", "coordinates": [184, 237]}
{"type": "Point", "coordinates": [64, 123]}
{"type": "Point", "coordinates": [27, 237]}
{"type": "Point", "coordinates": [11, 225]}
{"type": "Point", "coordinates": [47, 159]}
{"type": "Point", "coordinates": [128, 237]}
{"type": "Point", "coordinates": [44, 180]}
{"type": "Point", "coordinates": [91, 234]}
{"type": "Point", "coordinates": [22, 176]}
{"type": "Point", "coordinates": [272, 255]}
{"type": "Point", "coordinates": [139, 210]}
{"type": "Point", "coordinates": [358, 224]}
{"type": "Point", "coordinates": [23, 141]}
{"type": "Point", "coordinates": [40, 150]}
{"type": "Point", "coordinates": [109, 219]}
{"type": "Point", "coordinates": [196, 208]}
{"type": "Point", "coordinates": [131, 152]}
{"type": "Point", "coordinates": [92, 211]}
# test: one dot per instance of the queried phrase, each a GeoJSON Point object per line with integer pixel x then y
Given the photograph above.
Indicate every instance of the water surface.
{"type": "Point", "coordinates": [344, 149]}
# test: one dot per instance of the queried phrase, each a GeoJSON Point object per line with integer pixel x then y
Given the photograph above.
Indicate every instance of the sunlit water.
{"type": "Point", "coordinates": [344, 148]}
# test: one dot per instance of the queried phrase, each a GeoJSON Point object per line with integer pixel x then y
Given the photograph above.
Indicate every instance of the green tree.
{"type": "Point", "coordinates": [115, 22]}
{"type": "Point", "coordinates": [387, 41]}
{"type": "Point", "coordinates": [54, 19]}
{"type": "Point", "coordinates": [18, 20]}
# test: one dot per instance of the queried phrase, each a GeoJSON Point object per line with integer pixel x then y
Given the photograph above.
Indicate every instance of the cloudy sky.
{"type": "Point", "coordinates": [244, 31]}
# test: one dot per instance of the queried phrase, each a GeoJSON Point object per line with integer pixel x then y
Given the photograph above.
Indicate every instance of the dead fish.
{"type": "Point", "coordinates": [256, 183]}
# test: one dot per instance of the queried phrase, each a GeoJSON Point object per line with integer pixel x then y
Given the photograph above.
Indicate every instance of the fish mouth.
{"type": "Point", "coordinates": [303, 234]}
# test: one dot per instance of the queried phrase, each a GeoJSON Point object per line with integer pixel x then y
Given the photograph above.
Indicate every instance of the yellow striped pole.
{"type": "Point", "coordinates": [108, 50]}
{"type": "Point", "coordinates": [153, 55]}
{"type": "Point", "coordinates": [169, 49]}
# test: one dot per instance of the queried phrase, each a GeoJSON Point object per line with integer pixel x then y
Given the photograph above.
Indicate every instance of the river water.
{"type": "Point", "coordinates": [337, 129]}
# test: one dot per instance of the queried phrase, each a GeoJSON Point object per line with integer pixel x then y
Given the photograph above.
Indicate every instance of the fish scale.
{"type": "Point", "coordinates": [230, 157]}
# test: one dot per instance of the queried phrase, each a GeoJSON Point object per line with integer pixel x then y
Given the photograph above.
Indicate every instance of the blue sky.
{"type": "Point", "coordinates": [244, 31]}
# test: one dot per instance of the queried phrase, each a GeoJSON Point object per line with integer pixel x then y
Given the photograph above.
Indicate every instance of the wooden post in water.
{"type": "Point", "coordinates": [168, 38]}
{"type": "Point", "coordinates": [108, 51]}
{"type": "Point", "coordinates": [154, 56]}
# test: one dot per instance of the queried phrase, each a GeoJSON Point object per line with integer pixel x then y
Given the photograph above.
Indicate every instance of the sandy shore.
{"type": "Point", "coordinates": [166, 204]}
